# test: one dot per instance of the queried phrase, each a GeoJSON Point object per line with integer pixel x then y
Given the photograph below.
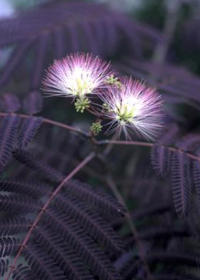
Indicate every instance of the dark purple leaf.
{"type": "Point", "coordinates": [9, 103]}
{"type": "Point", "coordinates": [32, 103]}
{"type": "Point", "coordinates": [28, 131]}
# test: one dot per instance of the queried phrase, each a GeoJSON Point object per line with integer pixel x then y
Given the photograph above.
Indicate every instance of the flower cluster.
{"type": "Point", "coordinates": [130, 105]}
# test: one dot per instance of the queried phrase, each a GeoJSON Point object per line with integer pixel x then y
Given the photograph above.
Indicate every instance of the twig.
{"type": "Point", "coordinates": [110, 145]}
{"type": "Point", "coordinates": [103, 142]}
{"type": "Point", "coordinates": [112, 186]}
{"type": "Point", "coordinates": [144, 144]}
{"type": "Point", "coordinates": [170, 24]}
{"type": "Point", "coordinates": [51, 122]}
{"type": "Point", "coordinates": [162, 48]}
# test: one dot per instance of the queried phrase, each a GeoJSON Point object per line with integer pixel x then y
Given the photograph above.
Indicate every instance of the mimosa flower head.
{"type": "Point", "coordinates": [77, 75]}
{"type": "Point", "coordinates": [133, 107]}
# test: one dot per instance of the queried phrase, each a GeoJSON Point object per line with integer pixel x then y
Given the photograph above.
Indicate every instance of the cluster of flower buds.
{"type": "Point", "coordinates": [130, 105]}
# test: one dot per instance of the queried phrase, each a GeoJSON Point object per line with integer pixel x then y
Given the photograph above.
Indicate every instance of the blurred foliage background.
{"type": "Point", "coordinates": [153, 12]}
{"type": "Point", "coordinates": [183, 44]}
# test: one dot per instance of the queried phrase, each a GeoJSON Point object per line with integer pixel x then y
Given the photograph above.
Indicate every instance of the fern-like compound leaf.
{"type": "Point", "coordinates": [22, 272]}
{"type": "Point", "coordinates": [64, 256]}
{"type": "Point", "coordinates": [100, 200]}
{"type": "Point", "coordinates": [160, 158]}
{"type": "Point", "coordinates": [32, 188]}
{"type": "Point", "coordinates": [82, 244]}
{"type": "Point", "coordinates": [13, 226]}
{"type": "Point", "coordinates": [41, 263]}
{"type": "Point", "coordinates": [196, 176]}
{"type": "Point", "coordinates": [70, 241]}
{"type": "Point", "coordinates": [3, 266]}
{"type": "Point", "coordinates": [8, 133]}
{"type": "Point", "coordinates": [8, 246]}
{"type": "Point", "coordinates": [90, 221]}
{"type": "Point", "coordinates": [28, 131]}
{"type": "Point", "coordinates": [181, 183]}
{"type": "Point", "coordinates": [37, 165]}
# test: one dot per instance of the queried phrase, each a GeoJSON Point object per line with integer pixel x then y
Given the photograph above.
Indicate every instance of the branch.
{"type": "Point", "coordinates": [110, 145]}
{"type": "Point", "coordinates": [51, 122]}
{"type": "Point", "coordinates": [172, 16]}
{"type": "Point", "coordinates": [102, 142]}
{"type": "Point", "coordinates": [144, 144]}
{"type": "Point", "coordinates": [111, 184]}
{"type": "Point", "coordinates": [142, 253]}
{"type": "Point", "coordinates": [43, 209]}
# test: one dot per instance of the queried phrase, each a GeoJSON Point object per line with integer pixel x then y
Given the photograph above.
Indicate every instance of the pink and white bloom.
{"type": "Point", "coordinates": [76, 75]}
{"type": "Point", "coordinates": [133, 107]}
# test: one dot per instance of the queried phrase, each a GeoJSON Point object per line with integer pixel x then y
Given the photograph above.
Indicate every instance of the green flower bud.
{"type": "Point", "coordinates": [96, 127]}
{"type": "Point", "coordinates": [112, 80]}
{"type": "Point", "coordinates": [81, 104]}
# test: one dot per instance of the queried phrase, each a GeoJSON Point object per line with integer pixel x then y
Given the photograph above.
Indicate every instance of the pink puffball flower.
{"type": "Point", "coordinates": [76, 76]}
{"type": "Point", "coordinates": [133, 107]}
